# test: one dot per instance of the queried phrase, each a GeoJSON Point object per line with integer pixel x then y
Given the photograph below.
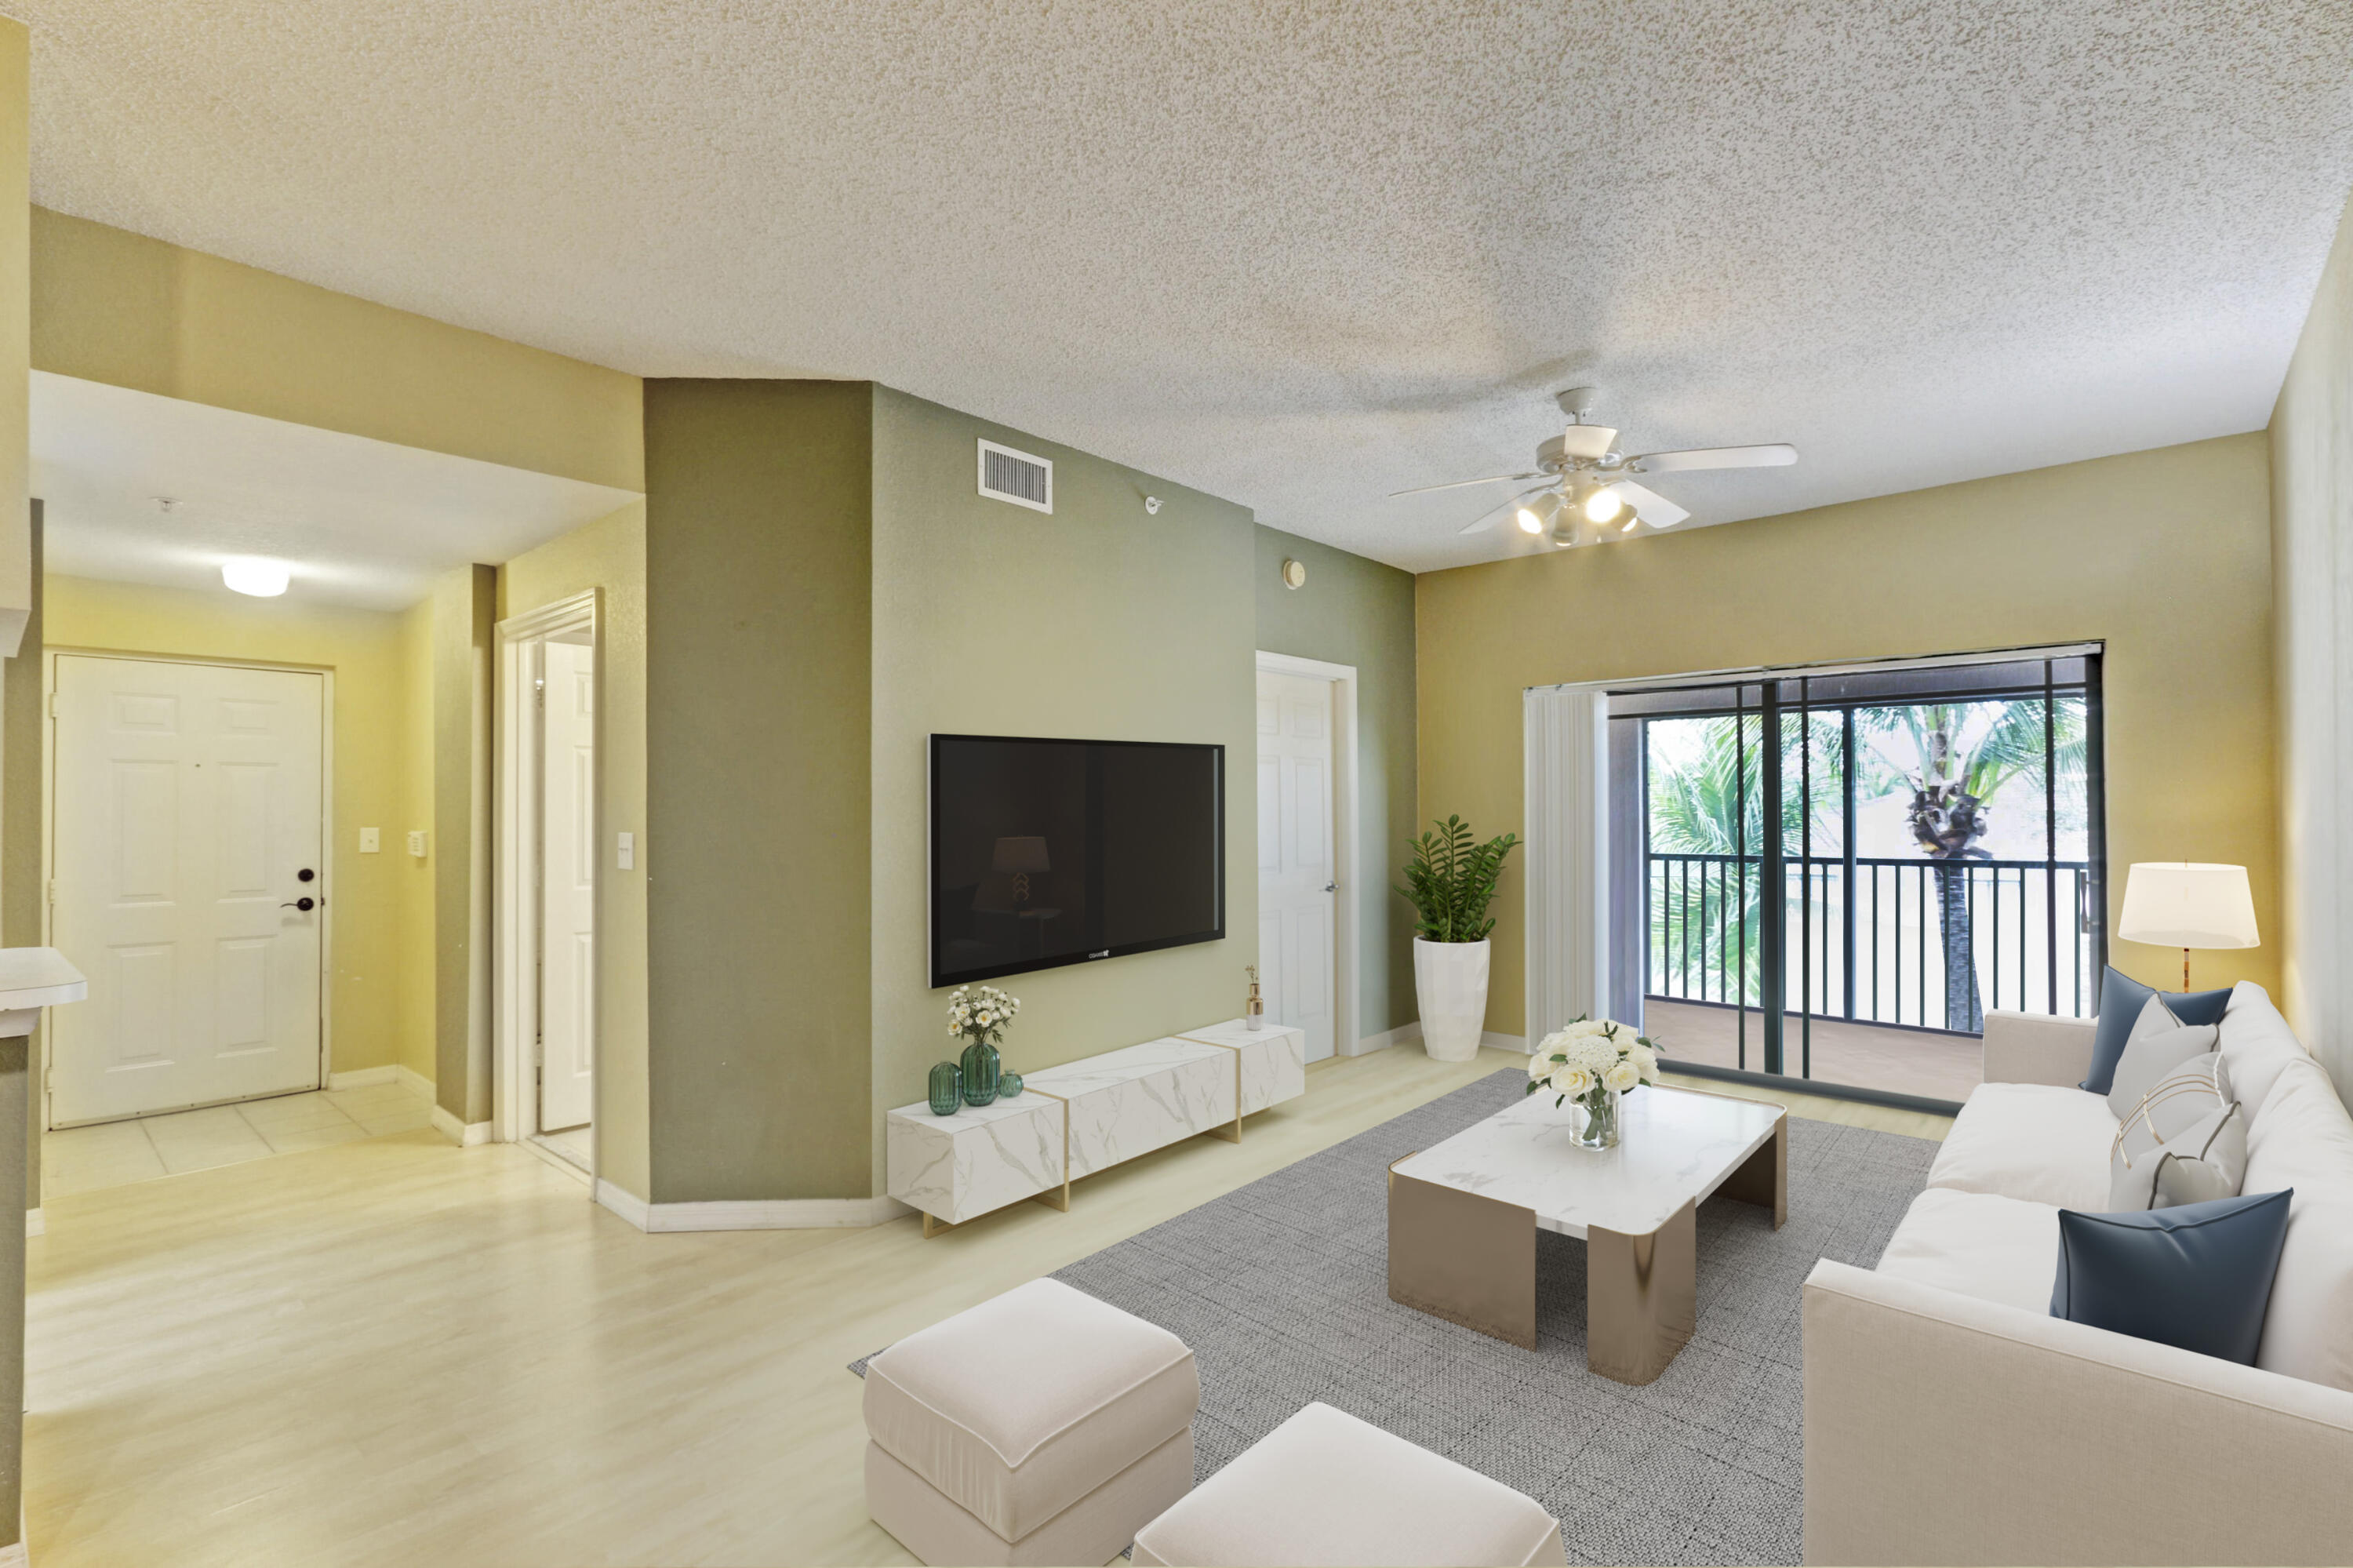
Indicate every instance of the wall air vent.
{"type": "Point", "coordinates": [1008, 475]}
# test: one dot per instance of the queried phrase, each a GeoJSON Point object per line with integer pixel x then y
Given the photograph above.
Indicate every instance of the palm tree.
{"type": "Point", "coordinates": [1954, 778]}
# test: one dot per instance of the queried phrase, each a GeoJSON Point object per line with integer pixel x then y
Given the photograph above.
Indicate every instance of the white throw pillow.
{"type": "Point", "coordinates": [2158, 1043]}
{"type": "Point", "coordinates": [2257, 1043]}
{"type": "Point", "coordinates": [2187, 1136]}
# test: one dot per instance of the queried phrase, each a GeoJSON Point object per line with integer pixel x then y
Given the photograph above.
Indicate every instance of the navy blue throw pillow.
{"type": "Point", "coordinates": [2121, 1001]}
{"type": "Point", "coordinates": [2199, 1276]}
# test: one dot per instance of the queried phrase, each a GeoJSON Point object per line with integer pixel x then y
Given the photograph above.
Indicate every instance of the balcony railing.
{"type": "Point", "coordinates": [1865, 937]}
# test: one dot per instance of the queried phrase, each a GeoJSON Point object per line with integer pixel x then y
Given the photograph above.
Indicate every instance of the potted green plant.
{"type": "Point", "coordinates": [1450, 881]}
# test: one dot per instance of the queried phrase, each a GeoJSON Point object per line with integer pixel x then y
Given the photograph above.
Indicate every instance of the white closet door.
{"type": "Point", "coordinates": [188, 811]}
{"type": "Point", "coordinates": [1295, 878]}
{"type": "Point", "coordinates": [567, 982]}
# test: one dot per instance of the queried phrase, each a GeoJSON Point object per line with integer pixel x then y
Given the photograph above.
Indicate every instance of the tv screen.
{"type": "Point", "coordinates": [1047, 852]}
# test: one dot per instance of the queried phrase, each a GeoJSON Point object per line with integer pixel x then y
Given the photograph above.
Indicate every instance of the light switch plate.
{"type": "Point", "coordinates": [416, 843]}
{"type": "Point", "coordinates": [626, 851]}
{"type": "Point", "coordinates": [370, 841]}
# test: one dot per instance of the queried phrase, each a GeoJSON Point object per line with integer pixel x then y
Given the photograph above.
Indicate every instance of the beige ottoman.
{"type": "Point", "coordinates": [1327, 1490]}
{"type": "Point", "coordinates": [1039, 1428]}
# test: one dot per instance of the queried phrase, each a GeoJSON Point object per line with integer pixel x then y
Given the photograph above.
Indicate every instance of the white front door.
{"type": "Point", "coordinates": [567, 876]}
{"type": "Point", "coordinates": [188, 826]}
{"type": "Point", "coordinates": [1295, 883]}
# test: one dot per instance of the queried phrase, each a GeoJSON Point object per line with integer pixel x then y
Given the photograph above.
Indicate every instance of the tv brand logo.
{"type": "Point", "coordinates": [1105, 954]}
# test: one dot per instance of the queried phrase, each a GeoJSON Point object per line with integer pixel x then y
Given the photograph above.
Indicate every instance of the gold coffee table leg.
{"type": "Point", "coordinates": [1763, 1178]}
{"type": "Point", "coordinates": [1641, 1297]}
{"type": "Point", "coordinates": [1468, 1259]}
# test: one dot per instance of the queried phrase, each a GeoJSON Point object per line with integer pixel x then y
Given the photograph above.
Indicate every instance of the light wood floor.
{"type": "Point", "coordinates": [396, 1351]}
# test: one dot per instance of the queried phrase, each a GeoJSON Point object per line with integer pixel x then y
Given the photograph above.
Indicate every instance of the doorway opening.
{"type": "Point", "coordinates": [546, 883]}
{"type": "Point", "coordinates": [1307, 925]}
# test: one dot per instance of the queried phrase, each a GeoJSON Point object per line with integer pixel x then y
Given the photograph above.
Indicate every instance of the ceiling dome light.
{"type": "Point", "coordinates": [262, 580]}
{"type": "Point", "coordinates": [1604, 505]}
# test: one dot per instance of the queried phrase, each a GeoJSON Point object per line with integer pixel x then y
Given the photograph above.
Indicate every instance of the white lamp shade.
{"type": "Point", "coordinates": [1020, 856]}
{"type": "Point", "coordinates": [2180, 903]}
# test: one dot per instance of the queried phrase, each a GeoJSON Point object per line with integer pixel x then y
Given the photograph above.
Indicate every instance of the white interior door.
{"type": "Point", "coordinates": [567, 935]}
{"type": "Point", "coordinates": [188, 817]}
{"type": "Point", "coordinates": [1296, 888]}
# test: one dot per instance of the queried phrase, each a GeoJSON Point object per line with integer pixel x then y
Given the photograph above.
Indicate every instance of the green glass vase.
{"type": "Point", "coordinates": [1008, 1086]}
{"type": "Point", "coordinates": [980, 1069]}
{"type": "Point", "coordinates": [947, 1088]}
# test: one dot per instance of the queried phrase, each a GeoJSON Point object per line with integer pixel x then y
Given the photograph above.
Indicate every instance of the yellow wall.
{"type": "Point", "coordinates": [412, 875]}
{"type": "Point", "coordinates": [609, 555]}
{"type": "Point", "coordinates": [113, 306]}
{"type": "Point", "coordinates": [15, 390]}
{"type": "Point", "coordinates": [372, 967]}
{"type": "Point", "coordinates": [2312, 542]}
{"type": "Point", "coordinates": [2166, 554]}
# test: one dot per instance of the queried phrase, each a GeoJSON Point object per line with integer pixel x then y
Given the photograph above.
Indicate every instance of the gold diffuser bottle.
{"type": "Point", "coordinates": [1254, 1011]}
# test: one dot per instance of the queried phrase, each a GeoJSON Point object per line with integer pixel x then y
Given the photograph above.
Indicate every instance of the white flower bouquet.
{"type": "Point", "coordinates": [1592, 1061]}
{"type": "Point", "coordinates": [979, 1013]}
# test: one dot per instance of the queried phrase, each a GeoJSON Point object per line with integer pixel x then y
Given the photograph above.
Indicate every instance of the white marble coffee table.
{"type": "Point", "coordinates": [1463, 1217]}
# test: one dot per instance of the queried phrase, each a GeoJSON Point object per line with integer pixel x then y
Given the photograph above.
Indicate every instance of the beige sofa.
{"type": "Point", "coordinates": [1951, 1419]}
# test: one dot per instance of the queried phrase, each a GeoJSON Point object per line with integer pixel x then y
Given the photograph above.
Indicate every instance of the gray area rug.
{"type": "Point", "coordinates": [1281, 1290]}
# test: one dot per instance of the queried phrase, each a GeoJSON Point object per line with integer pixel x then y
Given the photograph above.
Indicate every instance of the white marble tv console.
{"type": "Point", "coordinates": [1082, 1116]}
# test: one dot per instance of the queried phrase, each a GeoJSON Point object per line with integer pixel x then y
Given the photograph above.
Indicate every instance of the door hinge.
{"type": "Point", "coordinates": [539, 694]}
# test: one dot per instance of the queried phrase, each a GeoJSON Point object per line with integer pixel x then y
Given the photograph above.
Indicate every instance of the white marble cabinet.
{"type": "Point", "coordinates": [1120, 1105]}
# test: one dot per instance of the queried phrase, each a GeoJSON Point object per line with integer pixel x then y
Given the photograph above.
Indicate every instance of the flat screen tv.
{"type": "Point", "coordinates": [1047, 852]}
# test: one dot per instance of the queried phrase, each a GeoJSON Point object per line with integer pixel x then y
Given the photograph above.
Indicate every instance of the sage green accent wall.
{"type": "Point", "coordinates": [1097, 621]}
{"type": "Point", "coordinates": [758, 638]}
{"type": "Point", "coordinates": [20, 828]}
{"type": "Point", "coordinates": [464, 602]}
{"type": "Point", "coordinates": [1358, 612]}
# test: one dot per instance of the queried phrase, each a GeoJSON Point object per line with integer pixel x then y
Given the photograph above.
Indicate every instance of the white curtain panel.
{"type": "Point", "coordinates": [1567, 753]}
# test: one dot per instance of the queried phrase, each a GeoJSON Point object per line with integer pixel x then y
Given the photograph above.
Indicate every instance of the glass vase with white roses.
{"type": "Point", "coordinates": [977, 1015]}
{"type": "Point", "coordinates": [1595, 1062]}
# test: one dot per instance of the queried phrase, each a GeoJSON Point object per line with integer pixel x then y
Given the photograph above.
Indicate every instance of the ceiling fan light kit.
{"type": "Point", "coordinates": [1586, 480]}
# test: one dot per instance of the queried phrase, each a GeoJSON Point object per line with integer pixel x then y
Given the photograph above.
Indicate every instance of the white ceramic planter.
{"type": "Point", "coordinates": [1450, 979]}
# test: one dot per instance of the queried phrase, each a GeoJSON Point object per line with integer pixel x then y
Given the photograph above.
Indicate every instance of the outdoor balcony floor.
{"type": "Point", "coordinates": [1900, 1061]}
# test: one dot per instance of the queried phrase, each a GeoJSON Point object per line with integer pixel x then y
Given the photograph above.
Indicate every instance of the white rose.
{"type": "Point", "coordinates": [1621, 1078]}
{"type": "Point", "coordinates": [1571, 1081]}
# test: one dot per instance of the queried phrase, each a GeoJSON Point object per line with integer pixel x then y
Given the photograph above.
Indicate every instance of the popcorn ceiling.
{"type": "Point", "coordinates": [1294, 255]}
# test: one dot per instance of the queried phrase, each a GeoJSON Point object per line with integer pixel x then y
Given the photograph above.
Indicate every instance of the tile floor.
{"type": "Point", "coordinates": [115, 1153]}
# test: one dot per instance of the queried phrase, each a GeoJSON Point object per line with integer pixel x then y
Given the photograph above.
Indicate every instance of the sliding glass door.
{"type": "Point", "coordinates": [1841, 874]}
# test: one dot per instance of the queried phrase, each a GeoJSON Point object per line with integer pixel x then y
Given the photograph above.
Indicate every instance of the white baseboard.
{"type": "Point", "coordinates": [770, 1214]}
{"type": "Point", "coordinates": [1403, 1035]}
{"type": "Point", "coordinates": [361, 1077]}
{"type": "Point", "coordinates": [464, 1134]}
{"type": "Point", "coordinates": [1411, 1035]}
{"type": "Point", "coordinates": [35, 1225]}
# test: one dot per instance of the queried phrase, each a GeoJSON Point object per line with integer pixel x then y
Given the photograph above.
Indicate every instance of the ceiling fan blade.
{"type": "Point", "coordinates": [1774, 456]}
{"type": "Point", "coordinates": [1461, 484]}
{"type": "Point", "coordinates": [1649, 505]}
{"type": "Point", "coordinates": [1486, 519]}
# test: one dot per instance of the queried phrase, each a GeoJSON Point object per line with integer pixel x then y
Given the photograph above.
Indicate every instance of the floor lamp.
{"type": "Point", "coordinates": [2181, 904]}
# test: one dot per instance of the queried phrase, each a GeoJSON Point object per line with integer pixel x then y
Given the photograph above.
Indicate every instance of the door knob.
{"type": "Point", "coordinates": [305, 905]}
{"type": "Point", "coordinates": [1331, 887]}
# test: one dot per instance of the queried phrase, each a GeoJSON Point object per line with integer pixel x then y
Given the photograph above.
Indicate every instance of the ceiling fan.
{"type": "Point", "coordinates": [1586, 493]}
